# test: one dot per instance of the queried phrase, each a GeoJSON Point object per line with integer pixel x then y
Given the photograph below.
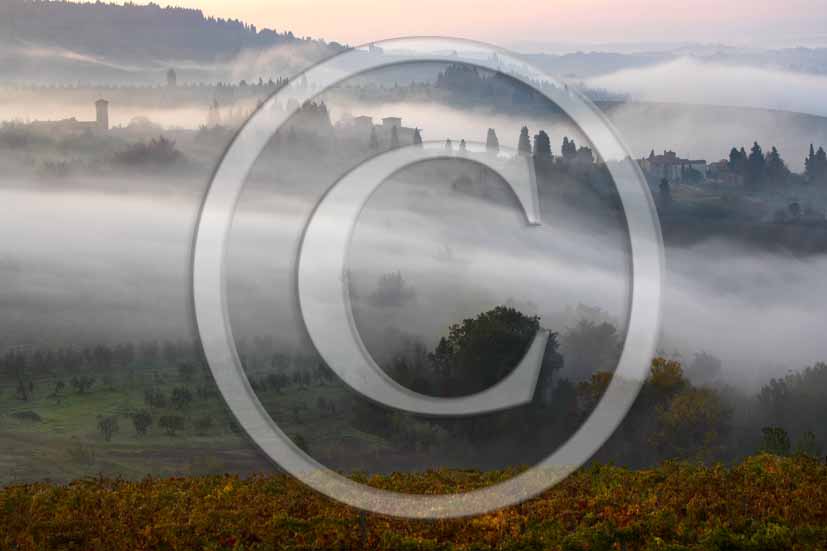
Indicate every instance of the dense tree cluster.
{"type": "Point", "coordinates": [159, 151]}
{"type": "Point", "coordinates": [757, 168]}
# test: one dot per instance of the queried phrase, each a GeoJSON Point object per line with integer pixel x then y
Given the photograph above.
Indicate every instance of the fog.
{"type": "Point", "coordinates": [107, 258]}
{"type": "Point", "coordinates": [89, 267]}
{"type": "Point", "coordinates": [689, 80]}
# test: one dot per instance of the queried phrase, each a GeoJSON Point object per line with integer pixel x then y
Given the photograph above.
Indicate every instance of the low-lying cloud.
{"type": "Point", "coordinates": [689, 80]}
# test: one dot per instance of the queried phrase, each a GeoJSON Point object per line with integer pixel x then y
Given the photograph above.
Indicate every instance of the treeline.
{"type": "Point", "coordinates": [26, 364]}
{"type": "Point", "coordinates": [760, 170]}
{"type": "Point", "coordinates": [681, 412]}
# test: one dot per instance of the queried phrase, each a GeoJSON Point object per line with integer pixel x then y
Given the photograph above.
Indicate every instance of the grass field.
{"type": "Point", "coordinates": [765, 503]}
{"type": "Point", "coordinates": [57, 437]}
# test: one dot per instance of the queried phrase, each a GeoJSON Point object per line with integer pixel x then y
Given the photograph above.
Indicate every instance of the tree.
{"type": "Point", "coordinates": [417, 137]}
{"type": "Point", "coordinates": [810, 164]}
{"type": "Point", "coordinates": [777, 171]}
{"type": "Point", "coordinates": [584, 155]}
{"type": "Point", "coordinates": [590, 392]}
{"type": "Point", "coordinates": [569, 149]}
{"type": "Point", "coordinates": [666, 375]}
{"type": "Point", "coordinates": [736, 161]}
{"type": "Point", "coordinates": [776, 441]}
{"type": "Point", "coordinates": [816, 165]}
{"type": "Point", "coordinates": [756, 166]}
{"type": "Point", "coordinates": [83, 383]}
{"type": "Point", "coordinates": [492, 144]}
{"type": "Point", "coordinates": [158, 151]}
{"type": "Point", "coordinates": [542, 145]}
{"type": "Point", "coordinates": [141, 420]}
{"type": "Point", "coordinates": [16, 366]}
{"type": "Point", "coordinates": [524, 144]}
{"type": "Point", "coordinates": [821, 162]}
{"type": "Point", "coordinates": [693, 423]}
{"type": "Point", "coordinates": [181, 398]}
{"type": "Point", "coordinates": [440, 358]}
{"type": "Point", "coordinates": [171, 424]}
{"type": "Point", "coordinates": [108, 426]}
{"type": "Point", "coordinates": [807, 445]}
{"type": "Point", "coordinates": [155, 398]}
{"type": "Point", "coordinates": [481, 351]}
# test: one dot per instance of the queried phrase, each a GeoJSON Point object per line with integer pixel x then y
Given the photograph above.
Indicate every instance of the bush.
{"type": "Point", "coordinates": [141, 420]}
{"type": "Point", "coordinates": [171, 424]}
{"type": "Point", "coordinates": [776, 441]}
{"type": "Point", "coordinates": [181, 398]}
{"type": "Point", "coordinates": [27, 415]}
{"type": "Point", "coordinates": [108, 426]}
{"type": "Point", "coordinates": [83, 383]}
{"type": "Point", "coordinates": [160, 151]}
{"type": "Point", "coordinates": [155, 398]}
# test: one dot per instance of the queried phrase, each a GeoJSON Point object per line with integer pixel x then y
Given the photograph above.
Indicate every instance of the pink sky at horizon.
{"type": "Point", "coordinates": [524, 22]}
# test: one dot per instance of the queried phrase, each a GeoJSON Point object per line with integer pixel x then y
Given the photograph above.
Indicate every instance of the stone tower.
{"type": "Point", "coordinates": [102, 111]}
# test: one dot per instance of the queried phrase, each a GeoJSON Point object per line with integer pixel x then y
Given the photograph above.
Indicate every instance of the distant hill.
{"type": "Point", "coordinates": [592, 63]}
{"type": "Point", "coordinates": [108, 41]}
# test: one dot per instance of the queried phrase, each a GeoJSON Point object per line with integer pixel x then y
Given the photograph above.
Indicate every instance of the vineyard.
{"type": "Point", "coordinates": [764, 503]}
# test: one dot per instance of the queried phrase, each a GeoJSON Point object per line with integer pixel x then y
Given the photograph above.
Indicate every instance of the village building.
{"type": "Point", "coordinates": [72, 126]}
{"type": "Point", "coordinates": [360, 128]}
{"type": "Point", "coordinates": [672, 168]}
{"type": "Point", "coordinates": [720, 172]}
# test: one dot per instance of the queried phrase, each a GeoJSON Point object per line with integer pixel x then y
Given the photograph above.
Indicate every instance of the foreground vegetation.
{"type": "Point", "coordinates": [766, 502]}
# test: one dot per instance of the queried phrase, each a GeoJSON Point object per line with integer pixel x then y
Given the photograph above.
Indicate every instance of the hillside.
{"type": "Point", "coordinates": [53, 41]}
{"type": "Point", "coordinates": [133, 32]}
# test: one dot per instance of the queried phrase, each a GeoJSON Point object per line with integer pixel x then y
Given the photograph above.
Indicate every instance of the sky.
{"type": "Point", "coordinates": [537, 25]}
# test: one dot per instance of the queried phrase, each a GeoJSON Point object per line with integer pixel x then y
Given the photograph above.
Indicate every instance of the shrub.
{"type": "Point", "coordinates": [765, 503]}
{"type": "Point", "coordinates": [158, 151]}
{"type": "Point", "coordinates": [171, 424]}
{"type": "Point", "coordinates": [141, 420]}
{"type": "Point", "coordinates": [181, 398]}
{"type": "Point", "coordinates": [155, 398]}
{"type": "Point", "coordinates": [27, 415]}
{"type": "Point", "coordinates": [776, 441]}
{"type": "Point", "coordinates": [108, 426]}
{"type": "Point", "coordinates": [83, 383]}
